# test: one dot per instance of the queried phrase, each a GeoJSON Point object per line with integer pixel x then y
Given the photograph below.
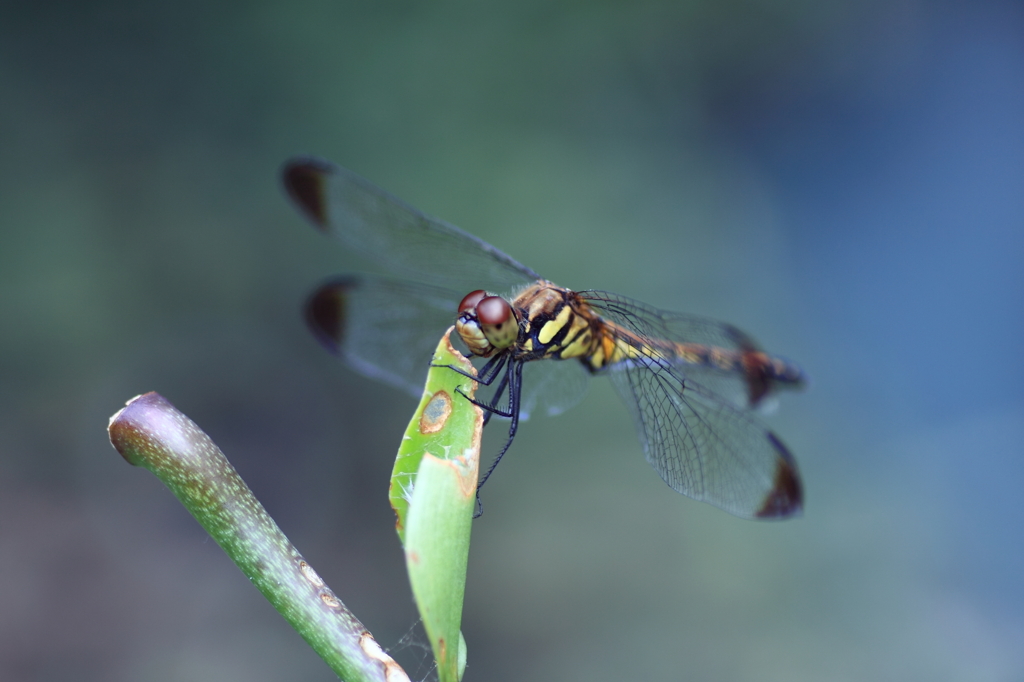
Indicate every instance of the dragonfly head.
{"type": "Point", "coordinates": [486, 324]}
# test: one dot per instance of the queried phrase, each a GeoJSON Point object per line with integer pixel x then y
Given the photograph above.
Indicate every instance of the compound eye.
{"type": "Point", "coordinates": [493, 310]}
{"type": "Point", "coordinates": [471, 300]}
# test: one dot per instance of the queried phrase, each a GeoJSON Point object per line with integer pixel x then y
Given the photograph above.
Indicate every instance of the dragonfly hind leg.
{"type": "Point", "coordinates": [514, 378]}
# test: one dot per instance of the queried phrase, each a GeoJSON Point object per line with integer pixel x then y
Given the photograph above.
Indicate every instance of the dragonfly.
{"type": "Point", "coordinates": [692, 384]}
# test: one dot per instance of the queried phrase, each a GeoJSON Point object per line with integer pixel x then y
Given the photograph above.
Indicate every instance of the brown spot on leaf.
{"type": "Point", "coordinates": [435, 414]}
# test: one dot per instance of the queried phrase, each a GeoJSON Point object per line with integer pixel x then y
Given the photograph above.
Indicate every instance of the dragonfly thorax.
{"type": "Point", "coordinates": [486, 324]}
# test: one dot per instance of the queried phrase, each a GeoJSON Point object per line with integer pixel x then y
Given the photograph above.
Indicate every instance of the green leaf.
{"type": "Point", "coordinates": [433, 492]}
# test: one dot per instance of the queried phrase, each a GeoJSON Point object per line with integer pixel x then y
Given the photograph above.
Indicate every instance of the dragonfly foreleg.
{"type": "Point", "coordinates": [486, 374]}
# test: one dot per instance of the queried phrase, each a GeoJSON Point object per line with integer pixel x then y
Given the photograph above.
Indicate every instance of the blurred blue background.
{"type": "Point", "coordinates": [844, 180]}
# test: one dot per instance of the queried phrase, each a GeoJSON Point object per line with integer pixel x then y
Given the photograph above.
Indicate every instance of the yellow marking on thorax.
{"type": "Point", "coordinates": [542, 300]}
{"type": "Point", "coordinates": [579, 341]}
{"type": "Point", "coordinates": [552, 327]}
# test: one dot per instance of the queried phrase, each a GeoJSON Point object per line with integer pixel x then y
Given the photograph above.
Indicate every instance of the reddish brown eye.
{"type": "Point", "coordinates": [497, 322]}
{"type": "Point", "coordinates": [493, 310]}
{"type": "Point", "coordinates": [471, 300]}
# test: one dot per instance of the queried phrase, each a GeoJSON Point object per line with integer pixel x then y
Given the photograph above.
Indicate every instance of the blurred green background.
{"type": "Point", "coordinates": [842, 179]}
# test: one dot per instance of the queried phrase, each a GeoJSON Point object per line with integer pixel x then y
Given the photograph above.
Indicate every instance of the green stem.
{"type": "Point", "coordinates": [149, 432]}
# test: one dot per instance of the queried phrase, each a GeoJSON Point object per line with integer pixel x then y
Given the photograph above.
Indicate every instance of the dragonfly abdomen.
{"type": "Point", "coordinates": [761, 373]}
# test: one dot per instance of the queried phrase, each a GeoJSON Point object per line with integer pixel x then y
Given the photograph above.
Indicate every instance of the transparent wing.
{"type": "Point", "coordinates": [385, 329]}
{"type": "Point", "coordinates": [396, 235]}
{"type": "Point", "coordinates": [692, 419]}
{"type": "Point", "coordinates": [652, 323]}
{"type": "Point", "coordinates": [705, 448]}
{"type": "Point", "coordinates": [388, 329]}
{"type": "Point", "coordinates": [740, 386]}
{"type": "Point", "coordinates": [551, 387]}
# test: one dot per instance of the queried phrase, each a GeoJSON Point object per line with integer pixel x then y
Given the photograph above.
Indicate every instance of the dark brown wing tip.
{"type": "Point", "coordinates": [786, 497]}
{"type": "Point", "coordinates": [305, 181]}
{"type": "Point", "coordinates": [325, 312]}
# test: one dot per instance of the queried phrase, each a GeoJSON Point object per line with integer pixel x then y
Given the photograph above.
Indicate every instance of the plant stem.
{"type": "Point", "coordinates": [149, 432]}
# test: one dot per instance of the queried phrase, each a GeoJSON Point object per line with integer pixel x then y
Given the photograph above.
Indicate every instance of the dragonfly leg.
{"type": "Point", "coordinates": [486, 374]}
{"type": "Point", "coordinates": [491, 409]}
{"type": "Point", "coordinates": [514, 376]}
{"type": "Point", "coordinates": [486, 377]}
